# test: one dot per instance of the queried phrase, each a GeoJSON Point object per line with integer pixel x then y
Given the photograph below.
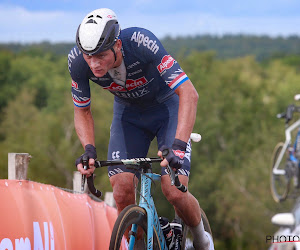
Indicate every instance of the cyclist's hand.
{"type": "Point", "coordinates": [173, 156]}
{"type": "Point", "coordinates": [90, 152]}
{"type": "Point", "coordinates": [87, 172]}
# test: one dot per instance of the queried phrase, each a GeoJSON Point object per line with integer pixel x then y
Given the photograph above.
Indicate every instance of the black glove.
{"type": "Point", "coordinates": [90, 152]}
{"type": "Point", "coordinates": [175, 155]}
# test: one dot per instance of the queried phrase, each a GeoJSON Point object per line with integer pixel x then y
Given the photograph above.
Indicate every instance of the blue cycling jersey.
{"type": "Point", "coordinates": [145, 104]}
{"type": "Point", "coordinates": [152, 74]}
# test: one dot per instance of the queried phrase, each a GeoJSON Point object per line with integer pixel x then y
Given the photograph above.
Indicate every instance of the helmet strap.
{"type": "Point", "coordinates": [112, 49]}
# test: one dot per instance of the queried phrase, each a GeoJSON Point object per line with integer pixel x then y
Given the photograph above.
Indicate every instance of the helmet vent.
{"type": "Point", "coordinates": [91, 21]}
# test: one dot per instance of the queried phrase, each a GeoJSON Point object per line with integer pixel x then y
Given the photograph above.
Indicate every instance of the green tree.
{"type": "Point", "coordinates": [238, 102]}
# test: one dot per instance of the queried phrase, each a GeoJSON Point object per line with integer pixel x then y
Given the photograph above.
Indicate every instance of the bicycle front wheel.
{"type": "Point", "coordinates": [132, 214]}
{"type": "Point", "coordinates": [280, 182]}
{"type": "Point", "coordinates": [205, 222]}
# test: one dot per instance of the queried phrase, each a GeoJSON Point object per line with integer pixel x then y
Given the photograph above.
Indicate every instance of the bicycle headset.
{"type": "Point", "coordinates": [98, 31]}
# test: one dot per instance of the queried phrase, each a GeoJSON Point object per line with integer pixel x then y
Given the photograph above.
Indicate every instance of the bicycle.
{"type": "Point", "coordinates": [286, 158]}
{"type": "Point", "coordinates": [143, 215]}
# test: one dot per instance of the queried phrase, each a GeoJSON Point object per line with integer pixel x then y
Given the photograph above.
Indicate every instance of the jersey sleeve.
{"type": "Point", "coordinates": [80, 82]}
{"type": "Point", "coordinates": [148, 46]}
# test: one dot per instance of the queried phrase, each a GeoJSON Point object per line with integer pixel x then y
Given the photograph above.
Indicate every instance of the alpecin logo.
{"type": "Point", "coordinates": [166, 63]}
{"type": "Point", "coordinates": [144, 40]}
{"type": "Point", "coordinates": [282, 238]}
{"type": "Point", "coordinates": [179, 153]}
{"type": "Point", "coordinates": [130, 85]}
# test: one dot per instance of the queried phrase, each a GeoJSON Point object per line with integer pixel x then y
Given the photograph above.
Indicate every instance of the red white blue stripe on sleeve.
{"type": "Point", "coordinates": [178, 80]}
{"type": "Point", "coordinates": [81, 101]}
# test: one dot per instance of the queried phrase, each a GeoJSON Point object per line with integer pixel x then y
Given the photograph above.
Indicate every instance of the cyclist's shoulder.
{"type": "Point", "coordinates": [132, 31]}
{"type": "Point", "coordinates": [76, 63]}
{"type": "Point", "coordinates": [140, 41]}
{"type": "Point", "coordinates": [137, 35]}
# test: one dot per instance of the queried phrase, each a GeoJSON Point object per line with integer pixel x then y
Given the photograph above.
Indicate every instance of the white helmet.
{"type": "Point", "coordinates": [98, 31]}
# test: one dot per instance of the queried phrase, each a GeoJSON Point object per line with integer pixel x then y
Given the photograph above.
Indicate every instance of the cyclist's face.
{"type": "Point", "coordinates": [101, 62]}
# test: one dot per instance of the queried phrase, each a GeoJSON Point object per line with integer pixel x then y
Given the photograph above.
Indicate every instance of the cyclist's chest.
{"type": "Point", "coordinates": [137, 83]}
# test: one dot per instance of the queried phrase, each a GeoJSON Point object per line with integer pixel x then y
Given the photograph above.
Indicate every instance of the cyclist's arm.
{"type": "Point", "coordinates": [84, 126]}
{"type": "Point", "coordinates": [188, 98]}
{"type": "Point", "coordinates": [171, 73]}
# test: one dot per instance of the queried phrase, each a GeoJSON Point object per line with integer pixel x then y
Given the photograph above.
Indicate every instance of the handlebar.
{"type": "Point", "coordinates": [137, 162]}
{"type": "Point", "coordinates": [297, 97]}
{"type": "Point", "coordinates": [288, 115]}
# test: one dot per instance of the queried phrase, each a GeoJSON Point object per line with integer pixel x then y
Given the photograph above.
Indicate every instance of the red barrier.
{"type": "Point", "coordinates": [42, 217]}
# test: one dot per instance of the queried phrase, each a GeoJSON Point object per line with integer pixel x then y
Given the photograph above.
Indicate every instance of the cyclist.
{"type": "Point", "coordinates": [153, 98]}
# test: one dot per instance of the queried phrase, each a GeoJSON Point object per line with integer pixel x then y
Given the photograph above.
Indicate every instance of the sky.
{"type": "Point", "coordinates": [33, 21]}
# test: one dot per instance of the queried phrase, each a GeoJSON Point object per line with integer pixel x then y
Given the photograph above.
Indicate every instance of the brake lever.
{"type": "Point", "coordinates": [85, 163]}
{"type": "Point", "coordinates": [170, 171]}
{"type": "Point", "coordinates": [174, 175]}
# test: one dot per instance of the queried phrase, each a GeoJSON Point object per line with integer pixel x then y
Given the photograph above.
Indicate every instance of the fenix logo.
{"type": "Point", "coordinates": [140, 38]}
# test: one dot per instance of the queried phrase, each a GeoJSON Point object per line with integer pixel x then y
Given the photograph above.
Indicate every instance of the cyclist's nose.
{"type": "Point", "coordinates": [95, 62]}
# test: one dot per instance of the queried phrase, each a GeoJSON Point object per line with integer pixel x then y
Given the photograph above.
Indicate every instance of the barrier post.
{"type": "Point", "coordinates": [77, 183]}
{"type": "Point", "coordinates": [18, 165]}
{"type": "Point", "coordinates": [109, 199]}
